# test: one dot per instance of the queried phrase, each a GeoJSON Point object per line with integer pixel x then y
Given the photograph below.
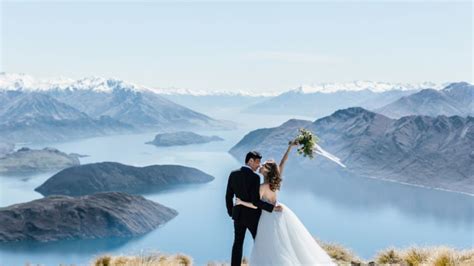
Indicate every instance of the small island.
{"type": "Point", "coordinates": [112, 176]}
{"type": "Point", "coordinates": [102, 215]}
{"type": "Point", "coordinates": [28, 161]}
{"type": "Point", "coordinates": [181, 138]}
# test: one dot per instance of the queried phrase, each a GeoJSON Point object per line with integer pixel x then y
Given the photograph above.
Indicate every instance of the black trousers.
{"type": "Point", "coordinates": [239, 235]}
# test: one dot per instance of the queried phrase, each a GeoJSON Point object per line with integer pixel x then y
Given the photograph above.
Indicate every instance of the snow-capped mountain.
{"type": "Point", "coordinates": [14, 81]}
{"type": "Point", "coordinates": [23, 82]}
{"type": "Point", "coordinates": [108, 101]}
{"type": "Point", "coordinates": [323, 99]}
{"type": "Point", "coordinates": [362, 85]}
{"type": "Point", "coordinates": [38, 117]}
{"type": "Point", "coordinates": [214, 93]}
{"type": "Point", "coordinates": [454, 99]}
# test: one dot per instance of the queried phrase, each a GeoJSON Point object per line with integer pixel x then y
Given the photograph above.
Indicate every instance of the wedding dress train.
{"type": "Point", "coordinates": [283, 240]}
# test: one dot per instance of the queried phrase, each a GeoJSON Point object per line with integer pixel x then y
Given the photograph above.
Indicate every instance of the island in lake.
{"type": "Point", "coordinates": [101, 215]}
{"type": "Point", "coordinates": [181, 138]}
{"type": "Point", "coordinates": [27, 161]}
{"type": "Point", "coordinates": [112, 176]}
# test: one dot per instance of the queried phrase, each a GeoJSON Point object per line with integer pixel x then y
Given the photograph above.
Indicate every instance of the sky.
{"type": "Point", "coordinates": [253, 46]}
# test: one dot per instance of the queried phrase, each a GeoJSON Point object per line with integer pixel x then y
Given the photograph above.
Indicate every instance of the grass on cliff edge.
{"type": "Point", "coordinates": [412, 256]}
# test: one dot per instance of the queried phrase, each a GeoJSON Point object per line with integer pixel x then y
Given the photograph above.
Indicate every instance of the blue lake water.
{"type": "Point", "coordinates": [363, 214]}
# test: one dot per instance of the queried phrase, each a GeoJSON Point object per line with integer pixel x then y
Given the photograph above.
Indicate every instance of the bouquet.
{"type": "Point", "coordinates": [308, 146]}
{"type": "Point", "coordinates": [307, 141]}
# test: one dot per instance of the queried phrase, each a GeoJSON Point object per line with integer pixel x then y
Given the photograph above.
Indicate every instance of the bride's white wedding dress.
{"type": "Point", "coordinates": [283, 240]}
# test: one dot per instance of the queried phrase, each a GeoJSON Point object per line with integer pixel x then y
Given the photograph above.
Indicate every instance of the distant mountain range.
{"type": "Point", "coordinates": [323, 99]}
{"type": "Point", "coordinates": [319, 104]}
{"type": "Point", "coordinates": [65, 109]}
{"type": "Point", "coordinates": [217, 104]}
{"type": "Point", "coordinates": [393, 100]}
{"type": "Point", "coordinates": [454, 99]}
{"type": "Point", "coordinates": [434, 152]}
{"type": "Point", "coordinates": [36, 117]}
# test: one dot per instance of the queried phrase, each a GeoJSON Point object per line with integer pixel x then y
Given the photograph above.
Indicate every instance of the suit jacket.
{"type": "Point", "coordinates": [245, 184]}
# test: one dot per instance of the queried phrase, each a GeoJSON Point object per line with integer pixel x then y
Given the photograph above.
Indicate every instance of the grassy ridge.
{"type": "Point", "coordinates": [412, 256]}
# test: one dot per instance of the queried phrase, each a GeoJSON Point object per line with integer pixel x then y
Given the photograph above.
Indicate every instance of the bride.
{"type": "Point", "coordinates": [281, 237]}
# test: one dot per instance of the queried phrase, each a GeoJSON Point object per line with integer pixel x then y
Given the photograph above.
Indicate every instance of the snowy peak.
{"type": "Point", "coordinates": [363, 85]}
{"type": "Point", "coordinates": [454, 99]}
{"type": "Point", "coordinates": [23, 82]}
{"type": "Point", "coordinates": [215, 93]}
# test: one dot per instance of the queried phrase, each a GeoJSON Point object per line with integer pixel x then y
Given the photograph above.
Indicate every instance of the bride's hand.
{"type": "Point", "coordinates": [293, 143]}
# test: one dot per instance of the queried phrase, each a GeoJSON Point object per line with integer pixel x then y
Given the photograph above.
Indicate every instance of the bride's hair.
{"type": "Point", "coordinates": [273, 177]}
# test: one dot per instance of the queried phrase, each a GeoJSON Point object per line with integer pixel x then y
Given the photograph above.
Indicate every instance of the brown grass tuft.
{"type": "Point", "coordinates": [415, 256]}
{"type": "Point", "coordinates": [389, 256]}
{"type": "Point", "coordinates": [339, 253]}
{"type": "Point", "coordinates": [144, 260]}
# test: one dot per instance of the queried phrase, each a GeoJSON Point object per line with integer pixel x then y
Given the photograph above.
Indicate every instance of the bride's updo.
{"type": "Point", "coordinates": [272, 177]}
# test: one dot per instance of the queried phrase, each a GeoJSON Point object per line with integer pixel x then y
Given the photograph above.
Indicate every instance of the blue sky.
{"type": "Point", "coordinates": [266, 46]}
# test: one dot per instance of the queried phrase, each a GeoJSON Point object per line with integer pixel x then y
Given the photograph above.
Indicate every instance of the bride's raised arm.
{"type": "Point", "coordinates": [285, 156]}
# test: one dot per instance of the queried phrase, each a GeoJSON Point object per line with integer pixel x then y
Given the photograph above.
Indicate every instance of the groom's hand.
{"type": "Point", "coordinates": [278, 208]}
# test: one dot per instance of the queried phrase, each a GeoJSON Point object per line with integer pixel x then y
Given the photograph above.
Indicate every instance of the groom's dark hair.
{"type": "Point", "coordinates": [252, 155]}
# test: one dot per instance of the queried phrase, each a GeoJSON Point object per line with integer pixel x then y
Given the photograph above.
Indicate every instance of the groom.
{"type": "Point", "coordinates": [244, 183]}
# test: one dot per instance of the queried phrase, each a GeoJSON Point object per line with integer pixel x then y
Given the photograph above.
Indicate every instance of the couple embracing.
{"type": "Point", "coordinates": [279, 236]}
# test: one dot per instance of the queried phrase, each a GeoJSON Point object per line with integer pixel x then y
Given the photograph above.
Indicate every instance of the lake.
{"type": "Point", "coordinates": [365, 215]}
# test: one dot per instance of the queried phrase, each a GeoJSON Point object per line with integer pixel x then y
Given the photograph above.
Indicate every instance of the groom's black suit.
{"type": "Point", "coordinates": [244, 184]}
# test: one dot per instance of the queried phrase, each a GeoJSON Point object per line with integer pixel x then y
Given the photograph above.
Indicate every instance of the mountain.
{"type": "Point", "coordinates": [102, 215]}
{"type": "Point", "coordinates": [429, 151]}
{"type": "Point", "coordinates": [218, 103]}
{"type": "Point", "coordinates": [37, 117]}
{"type": "Point", "coordinates": [111, 176]}
{"type": "Point", "coordinates": [454, 99]}
{"type": "Point", "coordinates": [25, 161]}
{"type": "Point", "coordinates": [142, 109]}
{"type": "Point", "coordinates": [125, 102]}
{"type": "Point", "coordinates": [181, 138]}
{"type": "Point", "coordinates": [323, 99]}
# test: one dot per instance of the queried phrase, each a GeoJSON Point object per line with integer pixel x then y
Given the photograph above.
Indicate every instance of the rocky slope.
{"type": "Point", "coordinates": [455, 99]}
{"type": "Point", "coordinates": [429, 151]}
{"type": "Point", "coordinates": [36, 117]}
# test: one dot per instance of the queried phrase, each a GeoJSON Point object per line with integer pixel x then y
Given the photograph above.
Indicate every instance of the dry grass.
{"type": "Point", "coordinates": [411, 256]}
{"type": "Point", "coordinates": [433, 256]}
{"type": "Point", "coordinates": [415, 256]}
{"type": "Point", "coordinates": [144, 260]}
{"type": "Point", "coordinates": [340, 254]}
{"type": "Point", "coordinates": [389, 256]}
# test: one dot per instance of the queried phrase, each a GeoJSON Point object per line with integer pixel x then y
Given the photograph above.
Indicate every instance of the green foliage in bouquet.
{"type": "Point", "coordinates": [306, 141]}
